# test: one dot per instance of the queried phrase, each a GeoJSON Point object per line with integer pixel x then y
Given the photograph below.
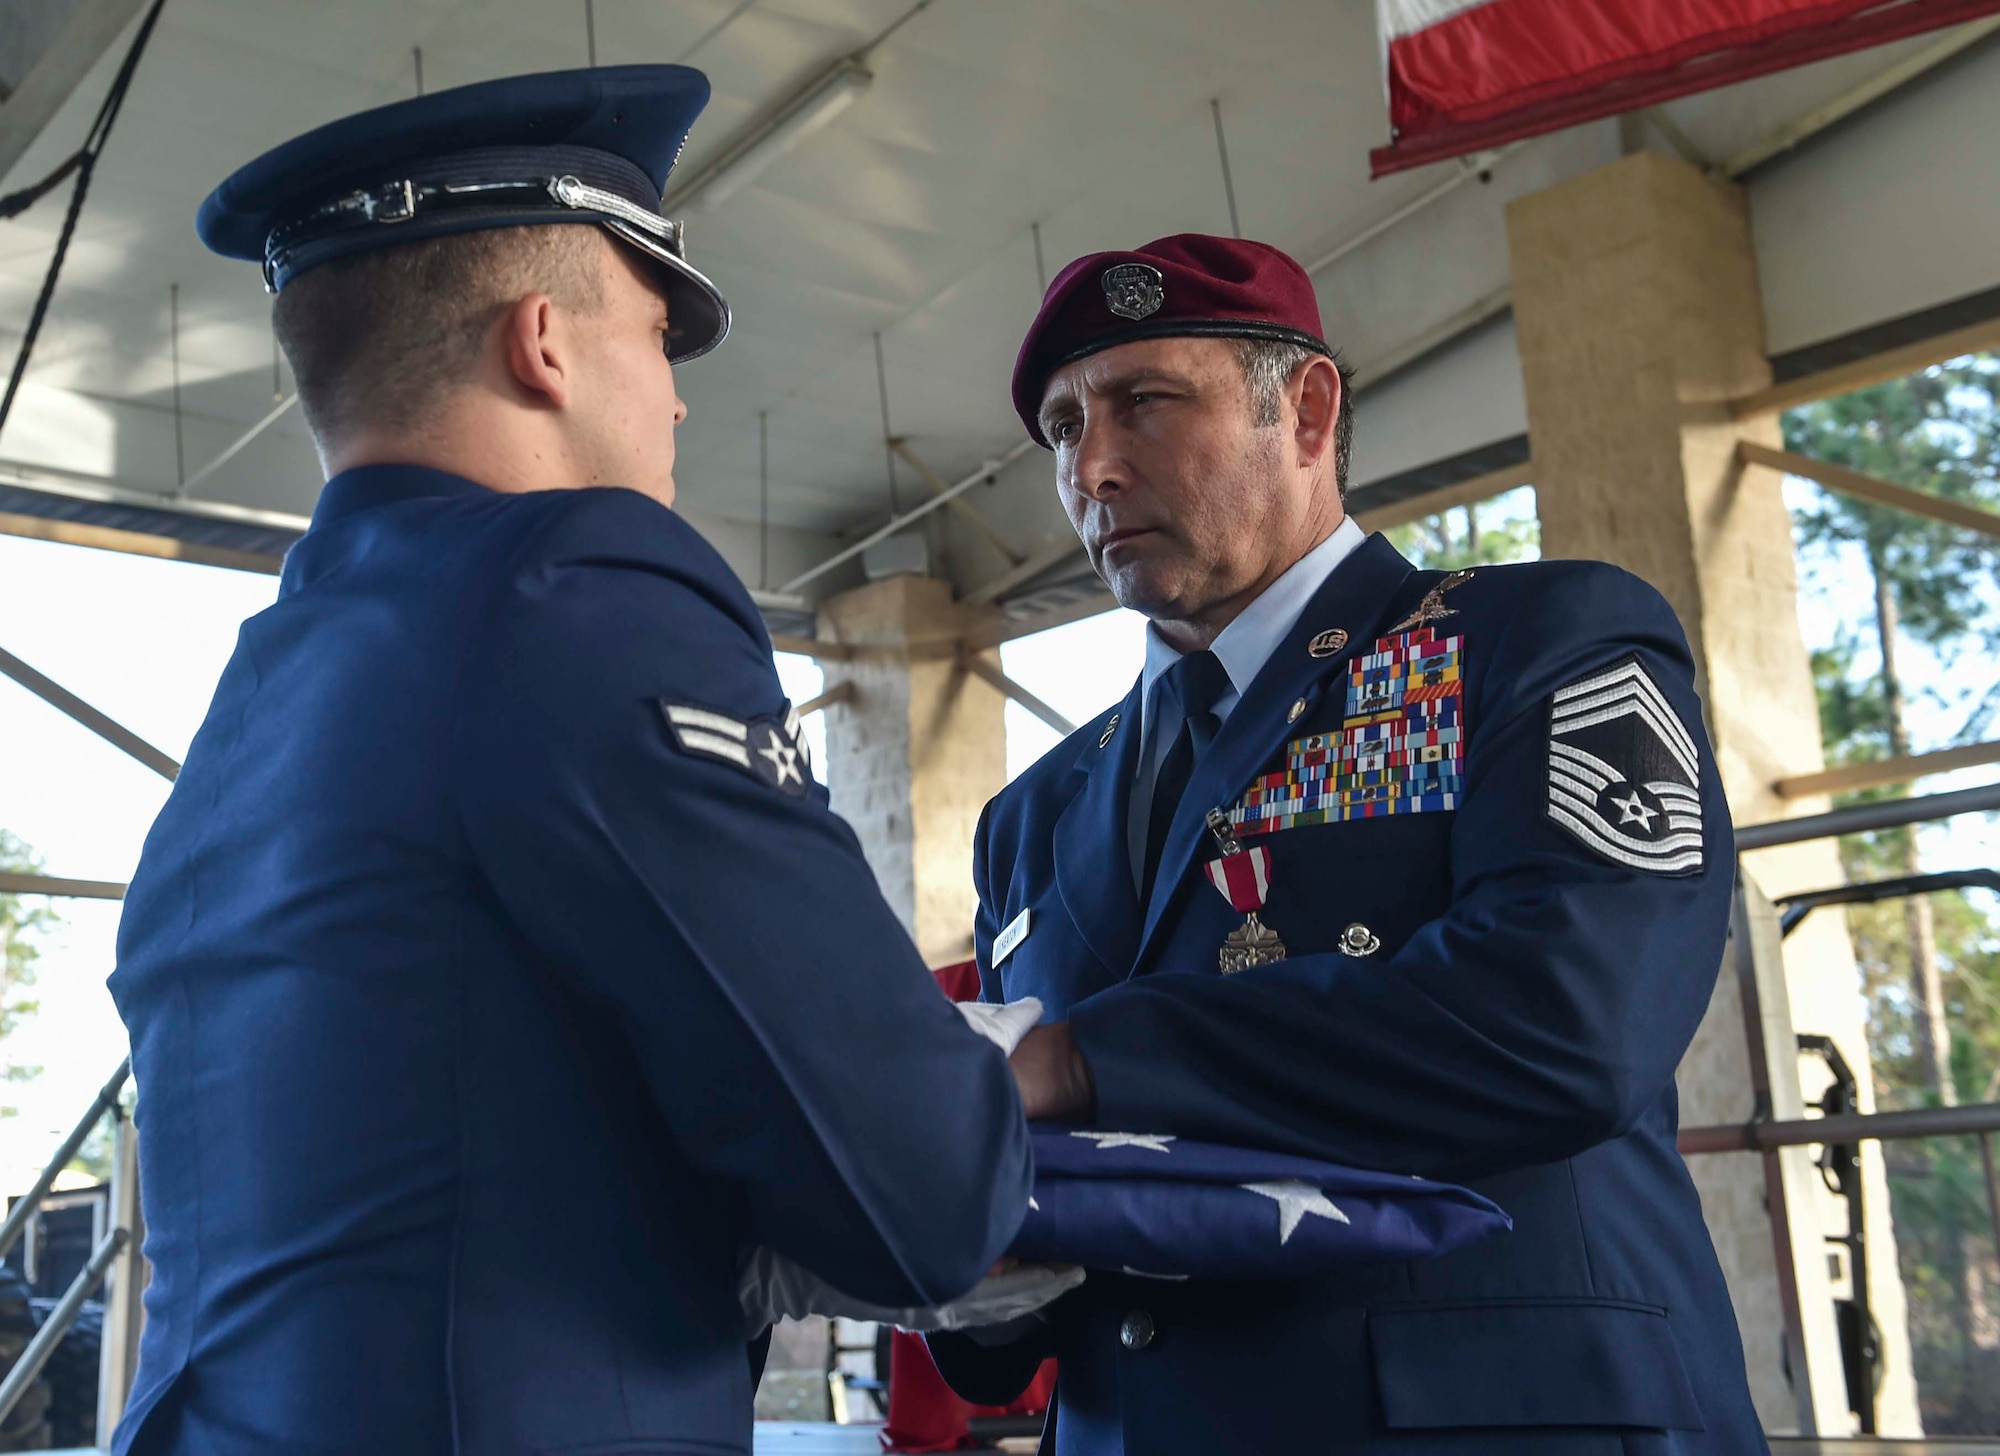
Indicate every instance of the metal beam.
{"type": "Point", "coordinates": [110, 730]}
{"type": "Point", "coordinates": [1862, 818]}
{"type": "Point", "coordinates": [1854, 776]}
{"type": "Point", "coordinates": [1479, 164]}
{"type": "Point", "coordinates": [136, 543]}
{"type": "Point", "coordinates": [1871, 488]}
{"type": "Point", "coordinates": [962, 508]}
{"type": "Point", "coordinates": [1047, 559]}
{"type": "Point", "coordinates": [811, 647]}
{"type": "Point", "coordinates": [1875, 369]}
{"type": "Point", "coordinates": [14, 884]}
{"type": "Point", "coordinates": [1793, 909]}
{"type": "Point", "coordinates": [1371, 372]}
{"type": "Point", "coordinates": [24, 1207]}
{"type": "Point", "coordinates": [983, 474]}
{"type": "Point", "coordinates": [1431, 503]}
{"type": "Point", "coordinates": [1850, 1127]}
{"type": "Point", "coordinates": [986, 672]}
{"type": "Point", "coordinates": [1004, 630]}
{"type": "Point", "coordinates": [838, 693]}
{"type": "Point", "coordinates": [239, 444]}
{"type": "Point", "coordinates": [89, 33]}
{"type": "Point", "coordinates": [1784, 138]}
{"type": "Point", "coordinates": [56, 1326]}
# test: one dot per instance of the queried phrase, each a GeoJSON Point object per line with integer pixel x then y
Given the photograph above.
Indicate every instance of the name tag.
{"type": "Point", "coordinates": [1005, 942]}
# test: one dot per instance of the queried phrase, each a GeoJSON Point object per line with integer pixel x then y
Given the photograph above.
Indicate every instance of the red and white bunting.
{"type": "Point", "coordinates": [1467, 75]}
{"type": "Point", "coordinates": [1244, 878]}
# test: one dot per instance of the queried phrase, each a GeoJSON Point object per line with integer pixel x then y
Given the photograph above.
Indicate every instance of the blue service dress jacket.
{"type": "Point", "coordinates": [495, 973]}
{"type": "Point", "coordinates": [1499, 863]}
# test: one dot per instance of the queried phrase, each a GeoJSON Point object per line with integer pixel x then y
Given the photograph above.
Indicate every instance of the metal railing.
{"type": "Point", "coordinates": [116, 1256]}
{"type": "Point", "coordinates": [1777, 1128]}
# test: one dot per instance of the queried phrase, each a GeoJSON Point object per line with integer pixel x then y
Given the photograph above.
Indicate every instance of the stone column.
{"type": "Point", "coordinates": [914, 752]}
{"type": "Point", "coordinates": [1637, 307]}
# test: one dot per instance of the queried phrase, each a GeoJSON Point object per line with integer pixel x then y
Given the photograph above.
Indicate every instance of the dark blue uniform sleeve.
{"type": "Point", "coordinates": [1540, 1015]}
{"type": "Point", "coordinates": [791, 1035]}
{"type": "Point", "coordinates": [983, 1372]}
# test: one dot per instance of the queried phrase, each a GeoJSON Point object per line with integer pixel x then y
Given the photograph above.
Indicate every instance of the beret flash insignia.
{"type": "Point", "coordinates": [1624, 773]}
{"type": "Point", "coordinates": [1134, 290]}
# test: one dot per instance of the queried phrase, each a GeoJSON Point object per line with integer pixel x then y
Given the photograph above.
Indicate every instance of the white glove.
{"type": "Point", "coordinates": [1004, 1026]}
{"type": "Point", "coordinates": [772, 1287]}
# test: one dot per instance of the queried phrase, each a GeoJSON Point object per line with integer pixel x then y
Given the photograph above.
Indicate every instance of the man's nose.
{"type": "Point", "coordinates": [1099, 469]}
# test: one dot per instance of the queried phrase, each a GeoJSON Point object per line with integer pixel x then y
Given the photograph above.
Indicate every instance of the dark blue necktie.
{"type": "Point", "coordinates": [1198, 682]}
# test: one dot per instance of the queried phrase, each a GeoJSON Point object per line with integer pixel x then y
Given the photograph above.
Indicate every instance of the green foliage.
{"type": "Point", "coordinates": [1938, 432]}
{"type": "Point", "coordinates": [1477, 535]}
{"type": "Point", "coordinates": [20, 927]}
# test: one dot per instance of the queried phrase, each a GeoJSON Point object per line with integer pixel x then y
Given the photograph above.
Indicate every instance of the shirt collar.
{"type": "Point", "coordinates": [1246, 644]}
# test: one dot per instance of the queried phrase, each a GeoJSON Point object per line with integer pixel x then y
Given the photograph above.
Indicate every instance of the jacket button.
{"type": "Point", "coordinates": [1137, 1330]}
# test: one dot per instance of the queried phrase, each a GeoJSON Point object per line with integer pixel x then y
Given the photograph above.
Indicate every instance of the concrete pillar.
{"type": "Point", "coordinates": [1637, 307]}
{"type": "Point", "coordinates": [914, 753]}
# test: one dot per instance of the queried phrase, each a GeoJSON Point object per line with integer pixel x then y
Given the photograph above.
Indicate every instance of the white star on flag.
{"type": "Point", "coordinates": [784, 758]}
{"type": "Point", "coordinates": [1152, 1142]}
{"type": "Point", "coordinates": [1295, 1200]}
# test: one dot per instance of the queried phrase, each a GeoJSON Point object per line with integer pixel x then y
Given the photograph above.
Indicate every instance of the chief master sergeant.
{"type": "Point", "coordinates": [1417, 871]}
{"type": "Point", "coordinates": [496, 971]}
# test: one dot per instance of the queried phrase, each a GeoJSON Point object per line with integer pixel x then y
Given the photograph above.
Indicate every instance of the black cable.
{"type": "Point", "coordinates": [82, 165]}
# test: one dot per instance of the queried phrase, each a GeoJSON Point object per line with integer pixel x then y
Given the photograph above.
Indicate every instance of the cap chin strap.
{"type": "Point", "coordinates": [584, 198]}
{"type": "Point", "coordinates": [651, 234]}
{"type": "Point", "coordinates": [401, 200]}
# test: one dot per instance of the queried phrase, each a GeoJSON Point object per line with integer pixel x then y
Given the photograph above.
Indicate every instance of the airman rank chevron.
{"type": "Point", "coordinates": [1399, 750]}
{"type": "Point", "coordinates": [772, 750]}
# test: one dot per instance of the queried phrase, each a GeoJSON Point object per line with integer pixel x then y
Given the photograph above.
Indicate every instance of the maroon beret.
{"type": "Point", "coordinates": [1190, 283]}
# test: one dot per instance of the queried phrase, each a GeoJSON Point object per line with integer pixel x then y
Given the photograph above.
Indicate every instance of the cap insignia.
{"type": "Point", "coordinates": [1133, 290]}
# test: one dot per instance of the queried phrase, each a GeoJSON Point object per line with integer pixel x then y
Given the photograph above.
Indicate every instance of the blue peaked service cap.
{"type": "Point", "coordinates": [591, 146]}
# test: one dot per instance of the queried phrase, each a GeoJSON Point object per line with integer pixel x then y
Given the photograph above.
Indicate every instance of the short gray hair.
{"type": "Point", "coordinates": [1268, 366]}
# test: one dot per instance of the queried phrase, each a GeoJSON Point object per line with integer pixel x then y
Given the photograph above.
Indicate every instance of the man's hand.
{"type": "Point", "coordinates": [772, 1287]}
{"type": "Point", "coordinates": [1053, 1076]}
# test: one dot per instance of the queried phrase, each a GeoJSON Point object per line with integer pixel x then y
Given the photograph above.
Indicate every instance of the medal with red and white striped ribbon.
{"type": "Point", "coordinates": [1244, 878]}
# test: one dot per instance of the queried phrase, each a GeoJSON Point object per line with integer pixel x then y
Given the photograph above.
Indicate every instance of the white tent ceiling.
{"type": "Point", "coordinates": [913, 215]}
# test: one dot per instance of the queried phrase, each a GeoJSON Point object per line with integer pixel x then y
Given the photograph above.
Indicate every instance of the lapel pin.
{"type": "Point", "coordinates": [1358, 940]}
{"type": "Point", "coordinates": [1328, 642]}
{"type": "Point", "coordinates": [1109, 729]}
{"type": "Point", "coordinates": [1298, 711]}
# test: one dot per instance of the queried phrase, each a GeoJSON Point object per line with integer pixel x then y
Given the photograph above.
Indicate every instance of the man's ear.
{"type": "Point", "coordinates": [1315, 395]}
{"type": "Point", "coordinates": [536, 350]}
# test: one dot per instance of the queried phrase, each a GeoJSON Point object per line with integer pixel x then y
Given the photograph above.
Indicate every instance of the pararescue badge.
{"type": "Point", "coordinates": [1624, 773]}
{"type": "Point", "coordinates": [772, 750]}
{"type": "Point", "coordinates": [1134, 290]}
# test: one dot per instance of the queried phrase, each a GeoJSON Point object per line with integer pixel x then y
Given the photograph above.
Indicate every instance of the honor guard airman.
{"type": "Point", "coordinates": [496, 974]}
{"type": "Point", "coordinates": [1417, 871]}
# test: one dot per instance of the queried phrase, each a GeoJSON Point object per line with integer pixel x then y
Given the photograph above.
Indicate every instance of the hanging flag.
{"type": "Point", "coordinates": [1467, 75]}
{"type": "Point", "coordinates": [1158, 1205]}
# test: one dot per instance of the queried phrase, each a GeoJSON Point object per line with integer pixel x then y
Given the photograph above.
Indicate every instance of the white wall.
{"type": "Point", "coordinates": [1461, 397]}
{"type": "Point", "coordinates": [1893, 211]}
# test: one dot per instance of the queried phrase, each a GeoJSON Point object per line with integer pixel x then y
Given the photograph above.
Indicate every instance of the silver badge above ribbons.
{"type": "Point", "coordinates": [1134, 290]}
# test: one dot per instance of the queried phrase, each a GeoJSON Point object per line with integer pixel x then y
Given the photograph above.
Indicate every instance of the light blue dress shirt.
{"type": "Point", "coordinates": [1243, 647]}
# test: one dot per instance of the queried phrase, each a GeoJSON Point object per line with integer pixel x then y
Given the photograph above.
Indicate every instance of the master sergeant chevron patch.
{"type": "Point", "coordinates": [1624, 773]}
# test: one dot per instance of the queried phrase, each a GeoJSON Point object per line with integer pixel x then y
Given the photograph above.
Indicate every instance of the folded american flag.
{"type": "Point", "coordinates": [1148, 1203]}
